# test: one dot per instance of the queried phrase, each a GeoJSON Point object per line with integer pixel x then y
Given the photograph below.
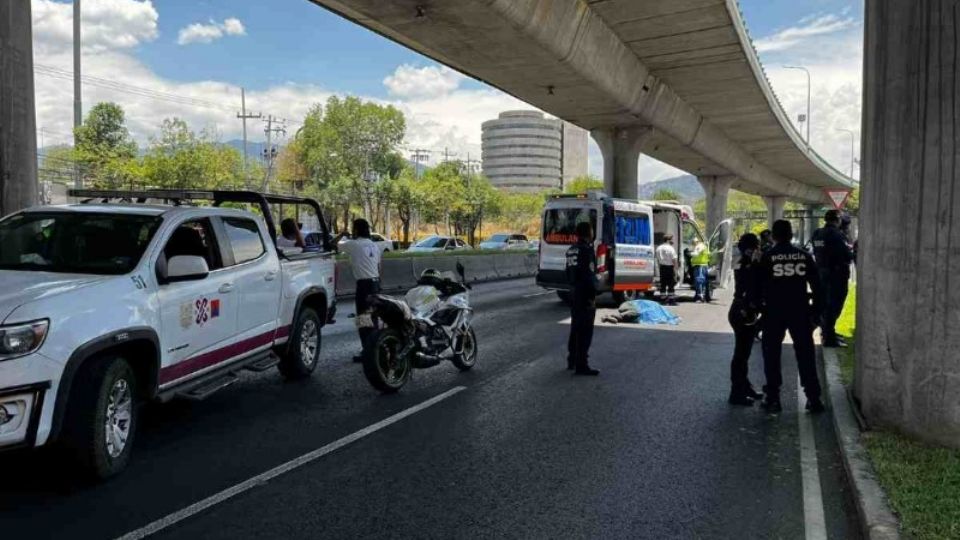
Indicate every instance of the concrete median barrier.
{"type": "Point", "coordinates": [510, 265]}
{"type": "Point", "coordinates": [400, 274]}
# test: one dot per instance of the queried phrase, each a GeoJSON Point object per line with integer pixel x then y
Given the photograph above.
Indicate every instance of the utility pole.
{"type": "Point", "coordinates": [270, 153]}
{"type": "Point", "coordinates": [471, 165]}
{"type": "Point", "coordinates": [852, 152]}
{"type": "Point", "coordinates": [243, 117]}
{"type": "Point", "coordinates": [419, 155]}
{"type": "Point", "coordinates": [807, 71]}
{"type": "Point", "coordinates": [77, 106]}
{"type": "Point", "coordinates": [447, 153]}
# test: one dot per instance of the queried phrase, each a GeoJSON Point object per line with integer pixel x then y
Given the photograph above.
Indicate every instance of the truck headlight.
{"type": "Point", "coordinates": [20, 339]}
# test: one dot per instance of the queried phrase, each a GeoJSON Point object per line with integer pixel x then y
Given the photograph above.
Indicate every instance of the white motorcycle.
{"type": "Point", "coordinates": [430, 324]}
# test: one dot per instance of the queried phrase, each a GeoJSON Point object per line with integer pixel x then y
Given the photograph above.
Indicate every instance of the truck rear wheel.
{"type": "Point", "coordinates": [303, 350]}
{"type": "Point", "coordinates": [102, 417]}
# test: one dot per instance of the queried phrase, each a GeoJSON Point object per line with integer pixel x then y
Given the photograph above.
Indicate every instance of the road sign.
{"type": "Point", "coordinates": [837, 196]}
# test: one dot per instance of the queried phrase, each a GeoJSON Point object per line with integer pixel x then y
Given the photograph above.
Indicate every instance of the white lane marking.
{"type": "Point", "coordinates": [543, 293]}
{"type": "Point", "coordinates": [814, 523]}
{"type": "Point", "coordinates": [263, 478]}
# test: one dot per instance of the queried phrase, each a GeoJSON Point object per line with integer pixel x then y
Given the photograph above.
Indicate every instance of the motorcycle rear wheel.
{"type": "Point", "coordinates": [384, 368]}
{"type": "Point", "coordinates": [468, 358]}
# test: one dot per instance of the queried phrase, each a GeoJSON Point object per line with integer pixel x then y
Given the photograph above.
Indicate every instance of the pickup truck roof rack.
{"type": "Point", "coordinates": [178, 197]}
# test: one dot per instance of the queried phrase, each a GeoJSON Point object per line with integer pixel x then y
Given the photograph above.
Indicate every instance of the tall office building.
{"type": "Point", "coordinates": [523, 151]}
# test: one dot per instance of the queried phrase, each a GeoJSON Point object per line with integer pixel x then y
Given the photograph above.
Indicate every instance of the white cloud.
{"type": "Point", "coordinates": [439, 114]}
{"type": "Point", "coordinates": [835, 63]}
{"type": "Point", "coordinates": [210, 32]}
{"type": "Point", "coordinates": [412, 82]}
{"type": "Point", "coordinates": [811, 26]}
{"type": "Point", "coordinates": [107, 24]}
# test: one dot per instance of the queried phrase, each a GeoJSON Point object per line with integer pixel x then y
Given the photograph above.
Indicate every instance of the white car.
{"type": "Point", "coordinates": [438, 243]}
{"type": "Point", "coordinates": [505, 241]}
{"type": "Point", "coordinates": [104, 306]}
{"type": "Point", "coordinates": [383, 242]}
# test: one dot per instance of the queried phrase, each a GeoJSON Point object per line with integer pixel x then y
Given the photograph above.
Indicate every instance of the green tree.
{"type": "Point", "coordinates": [583, 184]}
{"type": "Point", "coordinates": [179, 158]}
{"type": "Point", "coordinates": [478, 198]}
{"type": "Point", "coordinates": [664, 194]}
{"type": "Point", "coordinates": [519, 210]}
{"type": "Point", "coordinates": [405, 197]}
{"type": "Point", "coordinates": [853, 201]}
{"type": "Point", "coordinates": [104, 149]}
{"type": "Point", "coordinates": [351, 143]}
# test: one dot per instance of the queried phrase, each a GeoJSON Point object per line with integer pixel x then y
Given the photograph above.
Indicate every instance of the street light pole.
{"type": "Point", "coordinates": [805, 70]}
{"type": "Point", "coordinates": [852, 157]}
{"type": "Point", "coordinates": [77, 107]}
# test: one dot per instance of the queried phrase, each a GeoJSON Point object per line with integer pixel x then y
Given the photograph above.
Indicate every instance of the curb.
{"type": "Point", "coordinates": [877, 521]}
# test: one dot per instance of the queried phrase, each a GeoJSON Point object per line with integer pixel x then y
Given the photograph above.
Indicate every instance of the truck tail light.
{"type": "Point", "coordinates": [602, 251]}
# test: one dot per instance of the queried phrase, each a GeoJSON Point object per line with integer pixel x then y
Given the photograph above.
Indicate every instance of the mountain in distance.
{"type": "Point", "coordinates": [686, 186]}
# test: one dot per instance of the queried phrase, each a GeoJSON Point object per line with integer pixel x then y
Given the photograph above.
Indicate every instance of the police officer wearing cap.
{"type": "Point", "coordinates": [784, 275]}
{"type": "Point", "coordinates": [833, 256]}
{"type": "Point", "coordinates": [743, 315]}
{"type": "Point", "coordinates": [582, 276]}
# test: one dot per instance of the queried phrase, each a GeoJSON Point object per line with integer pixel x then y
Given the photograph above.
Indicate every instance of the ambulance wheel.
{"type": "Point", "coordinates": [564, 296]}
{"type": "Point", "coordinates": [303, 351]}
{"type": "Point", "coordinates": [624, 296]}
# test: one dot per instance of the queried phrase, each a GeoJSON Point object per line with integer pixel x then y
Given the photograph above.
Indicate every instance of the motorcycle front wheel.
{"type": "Point", "coordinates": [468, 357]}
{"type": "Point", "coordinates": [383, 366]}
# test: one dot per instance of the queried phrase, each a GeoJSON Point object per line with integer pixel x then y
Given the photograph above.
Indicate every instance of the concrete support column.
{"type": "Point", "coordinates": [908, 342]}
{"type": "Point", "coordinates": [18, 130]}
{"type": "Point", "coordinates": [775, 206]}
{"type": "Point", "coordinates": [810, 222]}
{"type": "Point", "coordinates": [621, 151]}
{"type": "Point", "coordinates": [717, 190]}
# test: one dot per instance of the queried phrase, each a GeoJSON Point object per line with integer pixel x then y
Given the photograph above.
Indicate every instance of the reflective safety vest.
{"type": "Point", "coordinates": [702, 258]}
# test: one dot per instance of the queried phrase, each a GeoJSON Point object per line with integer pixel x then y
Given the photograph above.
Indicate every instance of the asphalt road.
{"type": "Point", "coordinates": [649, 449]}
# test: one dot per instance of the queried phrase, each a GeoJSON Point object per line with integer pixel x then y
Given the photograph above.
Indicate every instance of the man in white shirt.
{"type": "Point", "coordinates": [366, 264]}
{"type": "Point", "coordinates": [667, 259]}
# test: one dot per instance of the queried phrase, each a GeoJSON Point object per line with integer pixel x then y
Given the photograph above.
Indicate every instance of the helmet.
{"type": "Point", "coordinates": [430, 273]}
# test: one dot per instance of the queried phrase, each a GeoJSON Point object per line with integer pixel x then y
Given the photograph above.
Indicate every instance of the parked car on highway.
{"type": "Point", "coordinates": [534, 245]}
{"type": "Point", "coordinates": [505, 241]}
{"type": "Point", "coordinates": [438, 243]}
{"type": "Point", "coordinates": [380, 240]}
{"type": "Point", "coordinates": [109, 303]}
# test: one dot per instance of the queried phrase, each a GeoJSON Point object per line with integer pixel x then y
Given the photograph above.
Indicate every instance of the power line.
{"type": "Point", "coordinates": [129, 88]}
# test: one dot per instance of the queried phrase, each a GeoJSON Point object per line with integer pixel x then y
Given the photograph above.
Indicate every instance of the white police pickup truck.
{"type": "Point", "coordinates": [111, 302]}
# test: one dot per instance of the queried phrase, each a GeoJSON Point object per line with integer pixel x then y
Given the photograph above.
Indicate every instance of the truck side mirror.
{"type": "Point", "coordinates": [186, 268]}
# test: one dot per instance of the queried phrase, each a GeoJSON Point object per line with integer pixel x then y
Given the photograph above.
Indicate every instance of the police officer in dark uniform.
{"type": "Point", "coordinates": [785, 273]}
{"type": "Point", "coordinates": [581, 274]}
{"type": "Point", "coordinates": [833, 256]}
{"type": "Point", "coordinates": [743, 315]}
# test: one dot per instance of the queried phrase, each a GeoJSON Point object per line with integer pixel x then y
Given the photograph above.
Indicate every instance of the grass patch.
{"type": "Point", "coordinates": [922, 482]}
{"type": "Point", "coordinates": [847, 327]}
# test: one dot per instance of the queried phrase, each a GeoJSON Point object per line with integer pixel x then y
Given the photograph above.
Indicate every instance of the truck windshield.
{"type": "Point", "coordinates": [560, 224]}
{"type": "Point", "coordinates": [78, 243]}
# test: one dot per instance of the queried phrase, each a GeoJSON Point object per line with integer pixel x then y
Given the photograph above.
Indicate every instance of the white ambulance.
{"type": "Point", "coordinates": [626, 234]}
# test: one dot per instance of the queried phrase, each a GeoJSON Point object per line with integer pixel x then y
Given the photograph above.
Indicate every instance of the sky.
{"type": "Point", "coordinates": [190, 59]}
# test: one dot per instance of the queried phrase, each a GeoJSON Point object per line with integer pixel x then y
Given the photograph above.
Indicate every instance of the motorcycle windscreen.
{"type": "Point", "coordinates": [423, 300]}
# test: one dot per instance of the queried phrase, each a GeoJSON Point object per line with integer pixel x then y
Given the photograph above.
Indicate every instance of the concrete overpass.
{"type": "Point", "coordinates": [678, 80]}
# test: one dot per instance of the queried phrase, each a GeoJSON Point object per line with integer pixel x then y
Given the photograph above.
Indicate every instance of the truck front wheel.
{"type": "Point", "coordinates": [303, 350]}
{"type": "Point", "coordinates": [102, 417]}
